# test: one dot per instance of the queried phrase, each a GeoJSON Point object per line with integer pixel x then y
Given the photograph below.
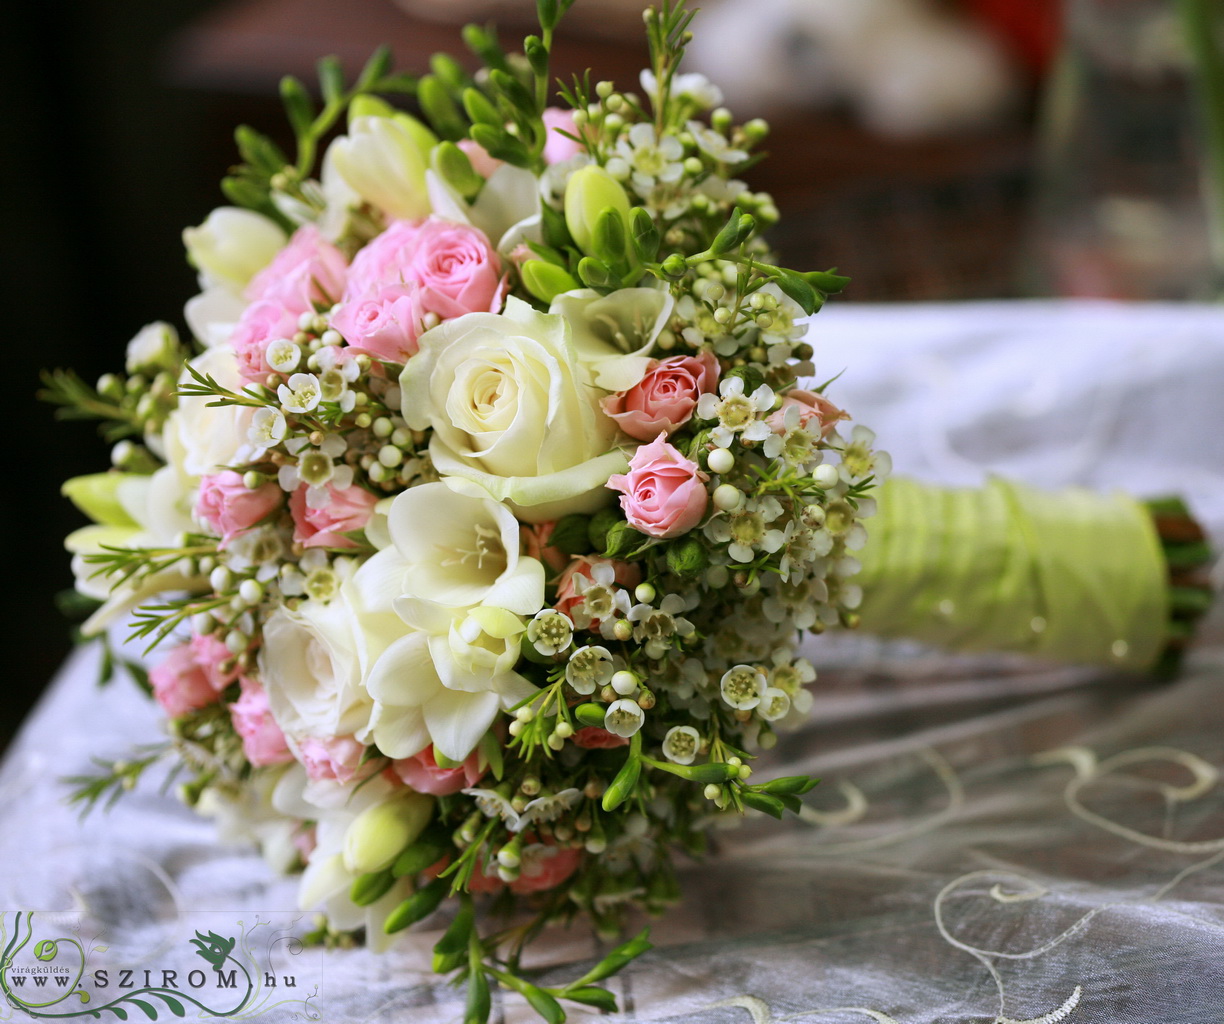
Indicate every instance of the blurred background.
{"type": "Point", "coordinates": [931, 149]}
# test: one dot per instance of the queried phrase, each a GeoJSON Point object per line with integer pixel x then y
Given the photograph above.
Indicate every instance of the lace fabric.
{"type": "Point", "coordinates": [994, 839]}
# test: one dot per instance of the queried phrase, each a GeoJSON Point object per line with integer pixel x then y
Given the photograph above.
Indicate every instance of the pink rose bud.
{"type": "Point", "coordinates": [535, 537]}
{"type": "Point", "coordinates": [307, 272]}
{"type": "Point", "coordinates": [260, 323]}
{"type": "Point", "coordinates": [215, 659]}
{"type": "Point", "coordinates": [231, 508]}
{"type": "Point", "coordinates": [663, 494]}
{"type": "Point", "coordinates": [592, 737]}
{"type": "Point", "coordinates": [337, 758]}
{"type": "Point", "coordinates": [385, 323]}
{"type": "Point", "coordinates": [348, 510]}
{"type": "Point", "coordinates": [262, 739]}
{"type": "Point", "coordinates": [180, 684]}
{"type": "Point", "coordinates": [422, 773]}
{"type": "Point", "coordinates": [482, 163]}
{"type": "Point", "coordinates": [558, 148]}
{"type": "Point", "coordinates": [664, 399]}
{"type": "Point", "coordinates": [811, 405]}
{"type": "Point", "coordinates": [548, 870]}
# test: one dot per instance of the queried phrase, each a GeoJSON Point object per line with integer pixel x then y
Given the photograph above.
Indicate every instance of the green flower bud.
{"type": "Point", "coordinates": [590, 191]}
{"type": "Point", "coordinates": [675, 265]}
{"type": "Point", "coordinates": [687, 557]}
{"type": "Point", "coordinates": [454, 167]}
{"type": "Point", "coordinates": [546, 280]}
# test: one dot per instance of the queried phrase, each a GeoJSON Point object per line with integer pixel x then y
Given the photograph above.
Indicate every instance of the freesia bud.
{"type": "Point", "coordinates": [384, 158]}
{"type": "Point", "coordinates": [379, 833]}
{"type": "Point", "coordinates": [232, 246]}
{"type": "Point", "coordinates": [546, 280]}
{"type": "Point", "coordinates": [592, 190]}
{"type": "Point", "coordinates": [98, 496]}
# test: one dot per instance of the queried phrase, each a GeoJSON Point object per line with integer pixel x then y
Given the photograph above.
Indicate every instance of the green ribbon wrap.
{"type": "Point", "coordinates": [1073, 575]}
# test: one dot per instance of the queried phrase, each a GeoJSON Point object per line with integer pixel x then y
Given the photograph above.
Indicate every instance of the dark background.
{"type": "Point", "coordinates": [118, 121]}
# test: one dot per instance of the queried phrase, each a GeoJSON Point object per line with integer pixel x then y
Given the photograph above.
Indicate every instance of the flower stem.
{"type": "Point", "coordinates": [1202, 25]}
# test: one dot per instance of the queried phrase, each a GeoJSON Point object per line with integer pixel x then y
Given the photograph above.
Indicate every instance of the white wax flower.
{"type": "Point", "coordinates": [512, 409]}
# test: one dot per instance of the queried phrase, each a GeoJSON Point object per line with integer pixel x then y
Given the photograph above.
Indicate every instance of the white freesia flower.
{"type": "Point", "coordinates": [452, 544]}
{"type": "Point", "coordinates": [246, 814]}
{"type": "Point", "coordinates": [315, 660]}
{"type": "Point", "coordinates": [512, 409]}
{"type": "Point", "coordinates": [213, 436]}
{"type": "Point", "coordinates": [152, 348]}
{"type": "Point", "coordinates": [445, 682]}
{"type": "Point", "coordinates": [612, 334]}
{"type": "Point", "coordinates": [383, 159]}
{"type": "Point", "coordinates": [213, 314]}
{"type": "Point", "coordinates": [232, 246]}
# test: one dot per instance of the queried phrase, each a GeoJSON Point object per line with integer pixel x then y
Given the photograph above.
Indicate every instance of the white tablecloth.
{"type": "Point", "coordinates": [993, 840]}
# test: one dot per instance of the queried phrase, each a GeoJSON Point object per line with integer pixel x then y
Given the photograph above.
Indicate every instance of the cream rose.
{"type": "Point", "coordinates": [212, 436]}
{"type": "Point", "coordinates": [314, 662]}
{"type": "Point", "coordinates": [514, 410]}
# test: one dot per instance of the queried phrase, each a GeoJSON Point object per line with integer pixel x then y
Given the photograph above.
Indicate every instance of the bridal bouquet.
{"type": "Point", "coordinates": [476, 524]}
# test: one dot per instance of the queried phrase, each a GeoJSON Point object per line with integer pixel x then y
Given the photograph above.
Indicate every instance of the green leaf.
{"type": "Point", "coordinates": [491, 750]}
{"type": "Point", "coordinates": [258, 150]}
{"type": "Point", "coordinates": [298, 105]}
{"type": "Point", "coordinates": [617, 959]}
{"type": "Point", "coordinates": [794, 285]}
{"type": "Point", "coordinates": [623, 785]}
{"type": "Point", "coordinates": [826, 281]}
{"type": "Point", "coordinates": [457, 937]}
{"type": "Point", "coordinates": [331, 79]}
{"type": "Point", "coordinates": [796, 784]}
{"type": "Point", "coordinates": [483, 42]}
{"type": "Point", "coordinates": [763, 802]}
{"type": "Point", "coordinates": [620, 539]}
{"type": "Point", "coordinates": [601, 523]}
{"type": "Point", "coordinates": [543, 1004]}
{"type": "Point", "coordinates": [570, 534]}
{"type": "Point", "coordinates": [500, 145]}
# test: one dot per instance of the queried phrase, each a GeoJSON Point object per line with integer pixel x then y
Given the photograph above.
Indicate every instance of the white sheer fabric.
{"type": "Point", "coordinates": [993, 840]}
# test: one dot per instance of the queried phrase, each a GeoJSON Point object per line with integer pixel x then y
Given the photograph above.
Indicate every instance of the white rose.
{"type": "Point", "coordinates": [314, 662]}
{"type": "Point", "coordinates": [514, 410]}
{"type": "Point", "coordinates": [213, 436]}
{"type": "Point", "coordinates": [232, 246]}
{"type": "Point", "coordinates": [458, 549]}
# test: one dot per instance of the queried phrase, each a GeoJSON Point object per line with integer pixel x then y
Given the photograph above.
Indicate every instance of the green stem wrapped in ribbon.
{"type": "Point", "coordinates": [1072, 576]}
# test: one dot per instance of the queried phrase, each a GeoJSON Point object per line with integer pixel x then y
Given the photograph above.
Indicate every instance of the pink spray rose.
{"type": "Point", "coordinates": [309, 271]}
{"type": "Point", "coordinates": [422, 773]}
{"type": "Point", "coordinates": [551, 866]}
{"type": "Point", "coordinates": [558, 148]}
{"type": "Point", "coordinates": [385, 323]}
{"type": "Point", "coordinates": [231, 508]}
{"type": "Point", "coordinates": [457, 269]}
{"type": "Point", "coordinates": [383, 261]}
{"type": "Point", "coordinates": [214, 659]}
{"type": "Point", "coordinates": [664, 399]}
{"type": "Point", "coordinates": [592, 737]}
{"type": "Point", "coordinates": [663, 494]}
{"type": "Point", "coordinates": [811, 405]}
{"type": "Point", "coordinates": [348, 510]}
{"type": "Point", "coordinates": [337, 758]}
{"type": "Point", "coordinates": [262, 740]}
{"type": "Point", "coordinates": [180, 684]}
{"type": "Point", "coordinates": [260, 323]}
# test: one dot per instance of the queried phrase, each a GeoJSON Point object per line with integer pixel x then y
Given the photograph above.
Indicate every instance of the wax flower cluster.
{"type": "Point", "coordinates": [479, 519]}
